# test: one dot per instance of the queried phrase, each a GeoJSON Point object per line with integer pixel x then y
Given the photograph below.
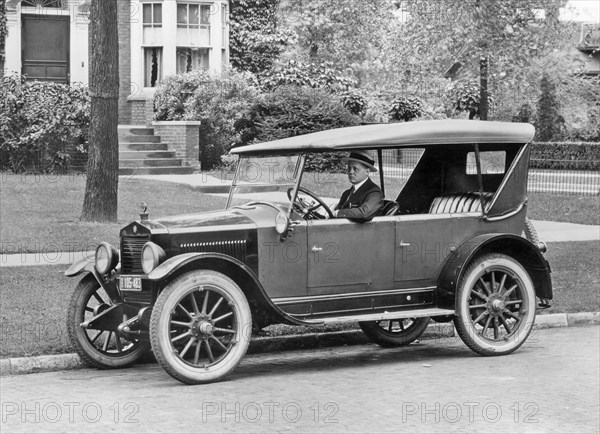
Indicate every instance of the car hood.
{"type": "Point", "coordinates": [228, 217]}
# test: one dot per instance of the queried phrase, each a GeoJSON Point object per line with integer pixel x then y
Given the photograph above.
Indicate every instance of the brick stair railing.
{"type": "Point", "coordinates": [143, 153]}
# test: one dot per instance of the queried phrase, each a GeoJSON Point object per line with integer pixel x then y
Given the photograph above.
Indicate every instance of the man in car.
{"type": "Point", "coordinates": [362, 201]}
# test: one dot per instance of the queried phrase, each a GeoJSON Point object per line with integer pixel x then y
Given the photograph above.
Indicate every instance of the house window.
{"type": "Point", "coordinates": [152, 14]}
{"type": "Point", "coordinates": [42, 3]}
{"type": "Point", "coordinates": [152, 66]}
{"type": "Point", "coordinates": [193, 24]}
{"type": "Point", "coordinates": [190, 59]}
{"type": "Point", "coordinates": [193, 15]}
{"type": "Point", "coordinates": [224, 24]}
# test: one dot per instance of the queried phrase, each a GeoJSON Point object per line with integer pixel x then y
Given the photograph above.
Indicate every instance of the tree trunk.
{"type": "Point", "coordinates": [483, 88]}
{"type": "Point", "coordinates": [100, 201]}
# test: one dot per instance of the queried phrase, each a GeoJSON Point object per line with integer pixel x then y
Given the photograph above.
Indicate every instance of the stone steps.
{"type": "Point", "coordinates": [143, 153]}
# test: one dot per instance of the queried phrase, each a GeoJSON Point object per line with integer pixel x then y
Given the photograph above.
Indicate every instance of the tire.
{"type": "Point", "coordinates": [395, 332]}
{"type": "Point", "coordinates": [495, 305]}
{"type": "Point", "coordinates": [101, 349]}
{"type": "Point", "coordinates": [186, 339]}
{"type": "Point", "coordinates": [530, 232]}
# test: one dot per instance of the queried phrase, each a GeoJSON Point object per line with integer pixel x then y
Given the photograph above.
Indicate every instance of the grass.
{"type": "Point", "coordinates": [41, 213]}
{"type": "Point", "coordinates": [33, 300]}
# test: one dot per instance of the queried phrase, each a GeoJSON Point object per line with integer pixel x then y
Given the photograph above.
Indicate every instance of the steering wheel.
{"type": "Point", "coordinates": [306, 208]}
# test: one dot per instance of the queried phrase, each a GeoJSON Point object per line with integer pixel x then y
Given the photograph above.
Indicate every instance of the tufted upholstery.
{"type": "Point", "coordinates": [389, 207]}
{"type": "Point", "coordinates": [458, 202]}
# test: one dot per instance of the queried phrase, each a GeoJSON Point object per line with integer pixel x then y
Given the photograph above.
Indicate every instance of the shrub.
{"type": "Point", "coordinates": [291, 111]}
{"type": "Point", "coordinates": [43, 125]}
{"type": "Point", "coordinates": [315, 75]}
{"type": "Point", "coordinates": [464, 97]}
{"type": "Point", "coordinates": [565, 155]}
{"type": "Point", "coordinates": [173, 93]}
{"type": "Point", "coordinates": [406, 109]}
{"type": "Point", "coordinates": [354, 102]}
{"type": "Point", "coordinates": [218, 104]}
{"type": "Point", "coordinates": [550, 125]}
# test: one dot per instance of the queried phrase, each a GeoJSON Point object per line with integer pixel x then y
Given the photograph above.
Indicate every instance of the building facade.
{"type": "Point", "coordinates": [49, 40]}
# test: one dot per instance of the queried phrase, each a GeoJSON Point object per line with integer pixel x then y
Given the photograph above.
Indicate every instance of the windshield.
{"type": "Point", "coordinates": [265, 178]}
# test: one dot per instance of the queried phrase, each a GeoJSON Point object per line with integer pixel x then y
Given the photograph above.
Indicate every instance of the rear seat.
{"type": "Point", "coordinates": [458, 202]}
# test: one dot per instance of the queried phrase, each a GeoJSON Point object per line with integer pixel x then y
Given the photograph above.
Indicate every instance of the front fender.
{"type": "Point", "coordinates": [78, 267]}
{"type": "Point", "coordinates": [519, 248]}
{"type": "Point", "coordinates": [109, 284]}
{"type": "Point", "coordinates": [241, 273]}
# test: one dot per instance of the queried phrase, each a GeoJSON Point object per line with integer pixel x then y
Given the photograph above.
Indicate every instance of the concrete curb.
{"type": "Point", "coordinates": [59, 362]}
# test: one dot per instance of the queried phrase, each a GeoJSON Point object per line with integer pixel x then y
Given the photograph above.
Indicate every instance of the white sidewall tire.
{"type": "Point", "coordinates": [160, 325]}
{"type": "Point", "coordinates": [463, 320]}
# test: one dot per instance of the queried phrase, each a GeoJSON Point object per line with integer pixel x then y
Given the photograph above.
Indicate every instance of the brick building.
{"type": "Point", "coordinates": [49, 40]}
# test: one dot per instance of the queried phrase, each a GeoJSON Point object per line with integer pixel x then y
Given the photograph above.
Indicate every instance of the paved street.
{"type": "Point", "coordinates": [550, 385]}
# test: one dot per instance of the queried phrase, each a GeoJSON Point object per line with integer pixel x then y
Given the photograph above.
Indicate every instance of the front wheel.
{"type": "Point", "coordinates": [394, 332]}
{"type": "Point", "coordinates": [200, 327]}
{"type": "Point", "coordinates": [495, 305]}
{"type": "Point", "coordinates": [99, 348]}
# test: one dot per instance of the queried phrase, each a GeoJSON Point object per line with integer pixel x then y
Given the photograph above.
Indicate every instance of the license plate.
{"type": "Point", "coordinates": [130, 283]}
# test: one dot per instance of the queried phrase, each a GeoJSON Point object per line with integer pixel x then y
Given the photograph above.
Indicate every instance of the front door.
{"type": "Point", "coordinates": [45, 48]}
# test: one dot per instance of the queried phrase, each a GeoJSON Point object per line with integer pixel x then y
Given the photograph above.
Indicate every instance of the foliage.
{"type": "Point", "coordinates": [565, 155]}
{"type": "Point", "coordinates": [347, 34]}
{"type": "Point", "coordinates": [464, 96]}
{"type": "Point", "coordinates": [255, 41]}
{"type": "Point", "coordinates": [510, 34]}
{"type": "Point", "coordinates": [43, 125]}
{"type": "Point", "coordinates": [3, 34]}
{"type": "Point", "coordinates": [354, 101]}
{"type": "Point", "coordinates": [309, 74]}
{"type": "Point", "coordinates": [291, 111]}
{"type": "Point", "coordinates": [549, 122]}
{"type": "Point", "coordinates": [406, 109]}
{"type": "Point", "coordinates": [218, 104]}
{"type": "Point", "coordinates": [525, 114]}
{"type": "Point", "coordinates": [174, 92]}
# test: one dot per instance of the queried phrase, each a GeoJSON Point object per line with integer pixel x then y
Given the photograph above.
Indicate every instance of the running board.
{"type": "Point", "coordinates": [379, 316]}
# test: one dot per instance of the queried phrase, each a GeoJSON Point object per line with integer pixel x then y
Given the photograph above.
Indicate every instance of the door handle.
{"type": "Point", "coordinates": [316, 249]}
{"type": "Point", "coordinates": [403, 244]}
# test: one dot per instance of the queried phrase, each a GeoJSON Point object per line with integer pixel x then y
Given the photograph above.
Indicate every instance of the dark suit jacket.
{"type": "Point", "coordinates": [363, 205]}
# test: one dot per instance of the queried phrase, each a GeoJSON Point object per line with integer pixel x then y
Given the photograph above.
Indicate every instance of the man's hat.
{"type": "Point", "coordinates": [362, 157]}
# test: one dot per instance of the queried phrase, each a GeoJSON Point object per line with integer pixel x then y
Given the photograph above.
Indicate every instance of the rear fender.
{"type": "Point", "coordinates": [263, 308]}
{"type": "Point", "coordinates": [519, 248]}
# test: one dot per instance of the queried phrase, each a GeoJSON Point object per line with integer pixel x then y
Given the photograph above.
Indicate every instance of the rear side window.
{"type": "Point", "coordinates": [492, 162]}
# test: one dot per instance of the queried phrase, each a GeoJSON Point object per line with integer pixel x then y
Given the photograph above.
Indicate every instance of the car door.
{"type": "Point", "coordinates": [422, 244]}
{"type": "Point", "coordinates": [346, 257]}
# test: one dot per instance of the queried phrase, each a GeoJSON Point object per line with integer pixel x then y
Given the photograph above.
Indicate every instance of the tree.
{"type": "Point", "coordinates": [495, 41]}
{"type": "Point", "coordinates": [3, 34]}
{"type": "Point", "coordinates": [549, 122]}
{"type": "Point", "coordinates": [255, 41]}
{"type": "Point", "coordinates": [101, 188]}
{"type": "Point", "coordinates": [347, 35]}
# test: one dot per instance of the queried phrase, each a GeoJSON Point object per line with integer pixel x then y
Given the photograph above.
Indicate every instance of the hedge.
{"type": "Point", "coordinates": [565, 155]}
{"type": "Point", "coordinates": [43, 125]}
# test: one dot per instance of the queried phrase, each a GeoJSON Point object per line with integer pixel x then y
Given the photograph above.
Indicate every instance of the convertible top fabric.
{"type": "Point", "coordinates": [407, 134]}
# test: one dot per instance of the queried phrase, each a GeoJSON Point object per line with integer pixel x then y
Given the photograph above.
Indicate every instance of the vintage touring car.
{"type": "Point", "coordinates": [452, 243]}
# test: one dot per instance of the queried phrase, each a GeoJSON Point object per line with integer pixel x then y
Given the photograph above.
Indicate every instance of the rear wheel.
{"type": "Point", "coordinates": [495, 309]}
{"type": "Point", "coordinates": [99, 348]}
{"type": "Point", "coordinates": [200, 327]}
{"type": "Point", "coordinates": [394, 332]}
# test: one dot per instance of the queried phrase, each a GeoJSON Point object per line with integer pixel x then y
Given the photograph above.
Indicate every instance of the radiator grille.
{"type": "Point", "coordinates": [131, 254]}
{"type": "Point", "coordinates": [234, 248]}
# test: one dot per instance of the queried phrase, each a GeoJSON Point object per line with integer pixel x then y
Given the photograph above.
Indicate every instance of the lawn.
{"type": "Point", "coordinates": [33, 300]}
{"type": "Point", "coordinates": [41, 213]}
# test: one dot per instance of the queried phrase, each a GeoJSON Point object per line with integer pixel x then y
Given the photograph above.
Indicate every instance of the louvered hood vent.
{"type": "Point", "coordinates": [234, 248]}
